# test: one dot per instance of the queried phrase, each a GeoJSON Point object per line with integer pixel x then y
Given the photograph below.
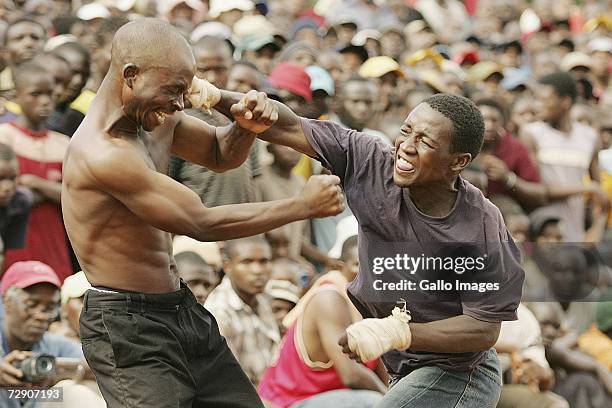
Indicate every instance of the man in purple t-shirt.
{"type": "Point", "coordinates": [413, 208]}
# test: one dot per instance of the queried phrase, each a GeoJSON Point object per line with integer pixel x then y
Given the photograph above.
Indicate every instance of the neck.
{"type": "Point", "coordinates": [283, 172]}
{"type": "Point", "coordinates": [13, 342]}
{"type": "Point", "coordinates": [435, 200]}
{"type": "Point", "coordinates": [109, 108]}
{"type": "Point", "coordinates": [247, 298]}
{"type": "Point", "coordinates": [28, 124]}
{"type": "Point", "coordinates": [562, 123]}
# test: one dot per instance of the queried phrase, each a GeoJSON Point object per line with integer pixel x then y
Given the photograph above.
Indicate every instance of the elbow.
{"type": "Point", "coordinates": [490, 336]}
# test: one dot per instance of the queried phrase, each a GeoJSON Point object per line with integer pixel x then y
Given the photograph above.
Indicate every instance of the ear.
{"type": "Point", "coordinates": [129, 74]}
{"type": "Point", "coordinates": [567, 102]}
{"type": "Point", "coordinates": [460, 162]}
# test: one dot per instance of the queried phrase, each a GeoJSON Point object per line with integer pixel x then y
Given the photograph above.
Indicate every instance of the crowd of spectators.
{"type": "Point", "coordinates": [540, 73]}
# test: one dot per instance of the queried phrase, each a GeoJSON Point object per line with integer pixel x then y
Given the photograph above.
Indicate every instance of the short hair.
{"type": "Point", "coordinates": [20, 21]}
{"type": "Point", "coordinates": [468, 125]}
{"type": "Point", "coordinates": [212, 42]}
{"type": "Point", "coordinates": [492, 103]}
{"type": "Point", "coordinates": [347, 247]}
{"type": "Point", "coordinates": [231, 245]}
{"type": "Point", "coordinates": [357, 78]}
{"type": "Point", "coordinates": [246, 63]}
{"type": "Point", "coordinates": [562, 82]}
{"type": "Point", "coordinates": [190, 257]}
{"type": "Point", "coordinates": [45, 56]}
{"type": "Point", "coordinates": [22, 75]}
{"type": "Point", "coordinates": [6, 152]}
{"type": "Point", "coordinates": [148, 42]}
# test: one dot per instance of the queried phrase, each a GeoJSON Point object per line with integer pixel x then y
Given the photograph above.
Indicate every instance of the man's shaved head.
{"type": "Point", "coordinates": [148, 43]}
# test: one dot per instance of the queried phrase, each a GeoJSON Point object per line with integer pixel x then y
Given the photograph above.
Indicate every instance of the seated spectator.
{"type": "Point", "coordinates": [15, 204]}
{"type": "Point", "coordinates": [528, 377]}
{"type": "Point", "coordinates": [40, 153]}
{"type": "Point", "coordinates": [71, 295]}
{"type": "Point", "coordinates": [311, 370]}
{"type": "Point", "coordinates": [284, 296]}
{"type": "Point", "coordinates": [199, 276]}
{"type": "Point", "coordinates": [597, 342]}
{"type": "Point", "coordinates": [580, 379]}
{"type": "Point", "coordinates": [241, 307]}
{"type": "Point", "coordinates": [30, 292]}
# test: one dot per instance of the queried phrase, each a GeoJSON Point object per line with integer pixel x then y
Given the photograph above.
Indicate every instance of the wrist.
{"type": "Point", "coordinates": [301, 208]}
{"type": "Point", "coordinates": [511, 180]}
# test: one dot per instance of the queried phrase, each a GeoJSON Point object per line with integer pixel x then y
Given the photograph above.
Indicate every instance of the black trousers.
{"type": "Point", "coordinates": [160, 351]}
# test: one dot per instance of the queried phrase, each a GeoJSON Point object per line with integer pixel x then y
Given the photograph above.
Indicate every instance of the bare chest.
{"type": "Point", "coordinates": [155, 148]}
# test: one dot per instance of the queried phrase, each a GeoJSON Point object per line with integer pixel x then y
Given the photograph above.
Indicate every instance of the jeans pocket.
{"type": "Point", "coordinates": [122, 329]}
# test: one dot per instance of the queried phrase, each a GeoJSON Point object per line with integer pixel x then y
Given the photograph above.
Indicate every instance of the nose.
{"type": "Point", "coordinates": [407, 146]}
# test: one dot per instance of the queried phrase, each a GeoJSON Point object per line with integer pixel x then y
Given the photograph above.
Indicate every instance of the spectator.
{"type": "Point", "coordinates": [241, 307]}
{"type": "Point", "coordinates": [30, 293]}
{"type": "Point", "coordinates": [40, 153]}
{"type": "Point", "coordinates": [284, 295]}
{"type": "Point", "coordinates": [356, 103]}
{"type": "Point", "coordinates": [551, 141]}
{"type": "Point", "coordinates": [580, 379]}
{"type": "Point", "coordinates": [15, 204]}
{"type": "Point", "coordinates": [504, 162]}
{"type": "Point", "coordinates": [199, 276]}
{"type": "Point", "coordinates": [293, 85]}
{"type": "Point", "coordinates": [311, 371]}
{"type": "Point", "coordinates": [597, 342]}
{"type": "Point", "coordinates": [69, 114]}
{"type": "Point", "coordinates": [23, 39]}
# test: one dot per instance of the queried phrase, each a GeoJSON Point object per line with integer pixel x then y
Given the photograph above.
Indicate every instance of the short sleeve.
{"type": "Point", "coordinates": [343, 151]}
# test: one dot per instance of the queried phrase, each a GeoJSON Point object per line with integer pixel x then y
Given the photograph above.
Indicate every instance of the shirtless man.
{"type": "Point", "coordinates": [144, 335]}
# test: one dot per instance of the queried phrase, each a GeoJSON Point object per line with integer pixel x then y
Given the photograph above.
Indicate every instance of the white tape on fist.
{"type": "Point", "coordinates": [371, 338]}
{"type": "Point", "coordinates": [203, 94]}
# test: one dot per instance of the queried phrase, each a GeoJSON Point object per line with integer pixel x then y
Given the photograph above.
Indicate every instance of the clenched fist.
{"type": "Point", "coordinates": [255, 112]}
{"type": "Point", "coordinates": [323, 196]}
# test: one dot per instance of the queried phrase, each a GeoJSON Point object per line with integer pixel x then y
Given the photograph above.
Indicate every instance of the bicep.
{"type": "Point", "coordinates": [195, 141]}
{"type": "Point", "coordinates": [337, 318]}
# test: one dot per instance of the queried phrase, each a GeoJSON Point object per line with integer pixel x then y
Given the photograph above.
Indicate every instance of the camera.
{"type": "Point", "coordinates": [37, 369]}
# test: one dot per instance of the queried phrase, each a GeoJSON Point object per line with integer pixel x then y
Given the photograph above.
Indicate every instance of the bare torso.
{"type": "Point", "coordinates": [115, 248]}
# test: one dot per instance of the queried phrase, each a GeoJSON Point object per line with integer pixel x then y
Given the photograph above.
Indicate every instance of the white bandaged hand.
{"type": "Point", "coordinates": [371, 338]}
{"type": "Point", "coordinates": [203, 94]}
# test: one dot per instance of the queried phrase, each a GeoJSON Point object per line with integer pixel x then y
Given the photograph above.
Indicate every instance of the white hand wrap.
{"type": "Point", "coordinates": [371, 338]}
{"type": "Point", "coordinates": [203, 94]}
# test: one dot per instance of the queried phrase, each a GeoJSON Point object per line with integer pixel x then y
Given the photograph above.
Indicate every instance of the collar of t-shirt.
{"type": "Point", "coordinates": [41, 134]}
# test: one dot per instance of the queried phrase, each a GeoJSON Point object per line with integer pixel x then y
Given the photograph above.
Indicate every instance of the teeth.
{"type": "Point", "coordinates": [401, 160]}
{"type": "Point", "coordinates": [161, 117]}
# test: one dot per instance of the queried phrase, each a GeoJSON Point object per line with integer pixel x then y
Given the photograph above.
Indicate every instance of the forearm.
{"type": "Point", "coordinates": [243, 220]}
{"type": "Point", "coordinates": [74, 369]}
{"type": "Point", "coordinates": [50, 190]}
{"type": "Point", "coordinates": [528, 193]}
{"type": "Point", "coordinates": [555, 193]}
{"type": "Point", "coordinates": [460, 334]}
{"type": "Point", "coordinates": [312, 253]}
{"type": "Point", "coordinates": [233, 146]}
{"type": "Point", "coordinates": [286, 131]}
{"type": "Point", "coordinates": [363, 378]}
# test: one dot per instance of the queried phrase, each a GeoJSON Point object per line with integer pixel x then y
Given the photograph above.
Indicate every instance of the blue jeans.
{"type": "Point", "coordinates": [433, 387]}
{"type": "Point", "coordinates": [341, 399]}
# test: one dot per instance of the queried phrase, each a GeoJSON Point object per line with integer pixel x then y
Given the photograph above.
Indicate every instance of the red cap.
{"type": "Point", "coordinates": [293, 78]}
{"type": "Point", "coordinates": [28, 273]}
{"type": "Point", "coordinates": [467, 56]}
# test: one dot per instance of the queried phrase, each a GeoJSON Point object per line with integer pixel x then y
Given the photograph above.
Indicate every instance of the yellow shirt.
{"type": "Point", "coordinates": [598, 345]}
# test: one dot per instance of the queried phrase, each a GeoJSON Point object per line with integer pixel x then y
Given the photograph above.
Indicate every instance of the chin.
{"type": "Point", "coordinates": [402, 182]}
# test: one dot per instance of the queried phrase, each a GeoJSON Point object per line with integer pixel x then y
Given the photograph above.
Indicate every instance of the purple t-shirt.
{"type": "Point", "coordinates": [391, 225]}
